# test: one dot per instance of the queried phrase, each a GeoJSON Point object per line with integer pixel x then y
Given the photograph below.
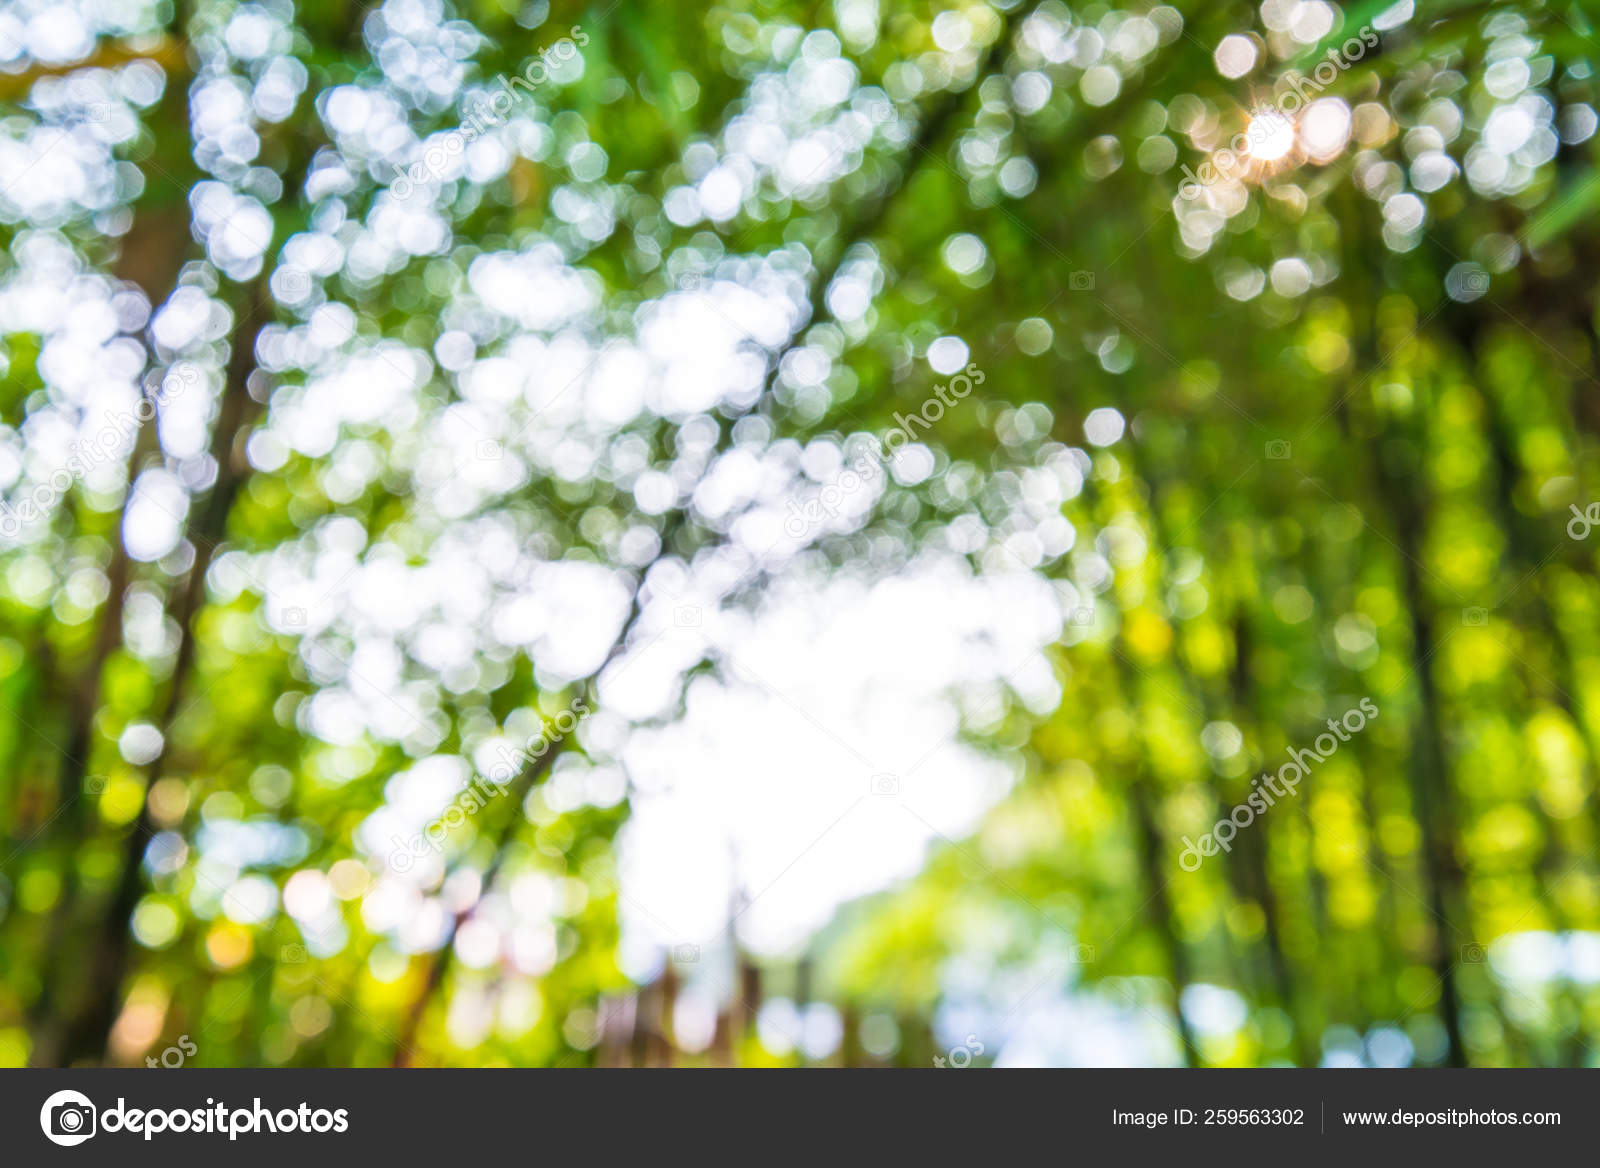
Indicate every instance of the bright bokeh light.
{"type": "Point", "coordinates": [1235, 56]}
{"type": "Point", "coordinates": [1271, 136]}
{"type": "Point", "coordinates": [1325, 128]}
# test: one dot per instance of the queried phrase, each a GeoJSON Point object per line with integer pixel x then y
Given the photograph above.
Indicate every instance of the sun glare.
{"type": "Point", "coordinates": [1271, 136]}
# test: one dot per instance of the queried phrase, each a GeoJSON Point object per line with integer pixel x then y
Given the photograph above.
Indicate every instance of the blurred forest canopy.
{"type": "Point", "coordinates": [364, 413]}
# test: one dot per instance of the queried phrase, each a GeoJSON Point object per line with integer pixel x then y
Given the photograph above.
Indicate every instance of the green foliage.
{"type": "Point", "coordinates": [1354, 401]}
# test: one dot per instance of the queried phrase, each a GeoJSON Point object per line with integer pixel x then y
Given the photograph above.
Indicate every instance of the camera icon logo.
{"type": "Point", "coordinates": [68, 1118]}
{"type": "Point", "coordinates": [885, 784]}
{"type": "Point", "coordinates": [1473, 953]}
{"type": "Point", "coordinates": [686, 616]}
{"type": "Point", "coordinates": [1278, 449]}
{"type": "Point", "coordinates": [1081, 281]}
{"type": "Point", "coordinates": [1474, 618]}
{"type": "Point", "coordinates": [685, 954]}
{"type": "Point", "coordinates": [490, 451]}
